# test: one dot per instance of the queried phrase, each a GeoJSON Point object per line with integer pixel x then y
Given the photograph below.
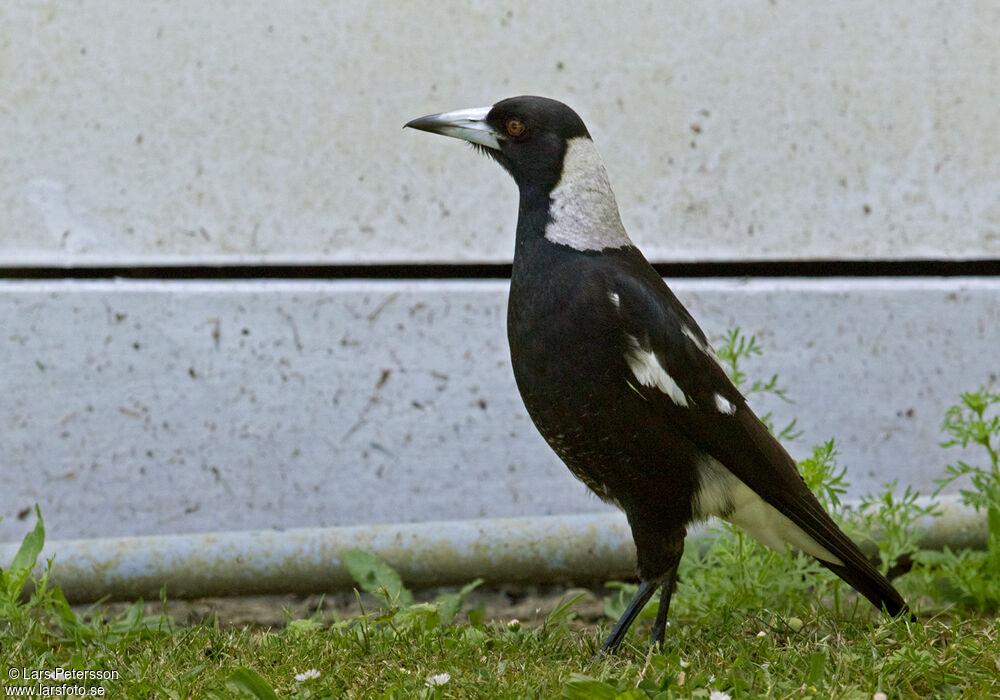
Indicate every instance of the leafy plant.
{"type": "Point", "coordinates": [45, 624]}
{"type": "Point", "coordinates": [377, 578]}
{"type": "Point", "coordinates": [15, 577]}
{"type": "Point", "coordinates": [824, 476]}
{"type": "Point", "coordinates": [972, 577]}
{"type": "Point", "coordinates": [247, 683]}
{"type": "Point", "coordinates": [970, 421]}
{"type": "Point", "coordinates": [891, 523]}
{"type": "Point", "coordinates": [737, 347]}
{"type": "Point", "coordinates": [382, 582]}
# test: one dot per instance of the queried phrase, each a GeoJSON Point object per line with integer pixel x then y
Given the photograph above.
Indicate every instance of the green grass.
{"type": "Point", "coordinates": [392, 652]}
{"type": "Point", "coordinates": [746, 622]}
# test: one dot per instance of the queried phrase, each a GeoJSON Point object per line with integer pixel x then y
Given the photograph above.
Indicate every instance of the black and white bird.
{"type": "Point", "coordinates": [620, 380]}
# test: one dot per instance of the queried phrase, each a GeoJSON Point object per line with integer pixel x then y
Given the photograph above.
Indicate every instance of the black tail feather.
{"type": "Point", "coordinates": [876, 588]}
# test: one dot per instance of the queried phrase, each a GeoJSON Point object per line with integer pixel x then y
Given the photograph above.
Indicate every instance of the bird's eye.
{"type": "Point", "coordinates": [515, 127]}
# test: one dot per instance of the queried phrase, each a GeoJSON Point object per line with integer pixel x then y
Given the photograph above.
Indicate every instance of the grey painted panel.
{"type": "Point", "coordinates": [231, 131]}
{"type": "Point", "coordinates": [132, 408]}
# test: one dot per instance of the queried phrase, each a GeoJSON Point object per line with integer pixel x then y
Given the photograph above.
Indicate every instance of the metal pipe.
{"type": "Point", "coordinates": [308, 560]}
{"type": "Point", "coordinates": [580, 548]}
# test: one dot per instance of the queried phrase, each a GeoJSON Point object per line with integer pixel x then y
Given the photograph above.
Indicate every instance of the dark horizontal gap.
{"type": "Point", "coordinates": [723, 268]}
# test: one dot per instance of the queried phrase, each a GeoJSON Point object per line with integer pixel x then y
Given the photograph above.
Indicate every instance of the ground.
{"type": "Point", "coordinates": [524, 603]}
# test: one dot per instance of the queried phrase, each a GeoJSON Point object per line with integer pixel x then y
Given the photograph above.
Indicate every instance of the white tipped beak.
{"type": "Point", "coordinates": [466, 124]}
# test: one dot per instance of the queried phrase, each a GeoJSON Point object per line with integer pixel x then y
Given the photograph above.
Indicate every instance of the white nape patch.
{"type": "Point", "coordinates": [615, 300]}
{"type": "Point", "coordinates": [724, 405]}
{"type": "Point", "coordinates": [703, 346]}
{"type": "Point", "coordinates": [583, 207]}
{"type": "Point", "coordinates": [725, 496]}
{"type": "Point", "coordinates": [648, 370]}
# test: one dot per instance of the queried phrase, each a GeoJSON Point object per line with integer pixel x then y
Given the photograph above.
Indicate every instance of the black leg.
{"type": "Point", "coordinates": [642, 596]}
{"type": "Point", "coordinates": [659, 632]}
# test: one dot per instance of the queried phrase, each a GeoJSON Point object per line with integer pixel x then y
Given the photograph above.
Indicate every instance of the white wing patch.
{"type": "Point", "coordinates": [724, 405]}
{"type": "Point", "coordinates": [615, 300]}
{"type": "Point", "coordinates": [648, 370]}
{"type": "Point", "coordinates": [723, 495]}
{"type": "Point", "coordinates": [582, 206]}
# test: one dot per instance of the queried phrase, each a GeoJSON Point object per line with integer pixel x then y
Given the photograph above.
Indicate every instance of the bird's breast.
{"type": "Point", "coordinates": [569, 362]}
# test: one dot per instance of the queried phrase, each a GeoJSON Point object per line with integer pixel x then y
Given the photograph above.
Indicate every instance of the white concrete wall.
{"type": "Point", "coordinates": [266, 132]}
{"type": "Point", "coordinates": [150, 407]}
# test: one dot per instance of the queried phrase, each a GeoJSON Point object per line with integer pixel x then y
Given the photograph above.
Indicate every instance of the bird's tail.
{"type": "Point", "coordinates": [787, 491]}
{"type": "Point", "coordinates": [873, 586]}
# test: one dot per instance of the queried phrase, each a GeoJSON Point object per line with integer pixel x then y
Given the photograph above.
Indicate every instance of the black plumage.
{"type": "Point", "coordinates": [618, 377]}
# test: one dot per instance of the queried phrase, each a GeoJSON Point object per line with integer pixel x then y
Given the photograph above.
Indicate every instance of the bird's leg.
{"type": "Point", "coordinates": [642, 596]}
{"type": "Point", "coordinates": [659, 632]}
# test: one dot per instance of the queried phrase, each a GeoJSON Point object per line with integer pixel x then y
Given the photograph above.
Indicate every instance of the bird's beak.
{"type": "Point", "coordinates": [466, 124]}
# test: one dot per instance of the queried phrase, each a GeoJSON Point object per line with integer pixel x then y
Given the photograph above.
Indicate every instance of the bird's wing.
{"type": "Point", "coordinates": [677, 372]}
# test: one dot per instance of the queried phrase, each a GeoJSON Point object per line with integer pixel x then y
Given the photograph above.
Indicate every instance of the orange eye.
{"type": "Point", "coordinates": [515, 127]}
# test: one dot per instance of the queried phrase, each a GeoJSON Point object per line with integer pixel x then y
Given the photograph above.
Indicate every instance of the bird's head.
{"type": "Point", "coordinates": [547, 149]}
{"type": "Point", "coordinates": [527, 135]}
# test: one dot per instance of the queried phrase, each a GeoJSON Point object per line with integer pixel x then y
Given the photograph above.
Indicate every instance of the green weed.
{"type": "Point", "coordinates": [972, 578]}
